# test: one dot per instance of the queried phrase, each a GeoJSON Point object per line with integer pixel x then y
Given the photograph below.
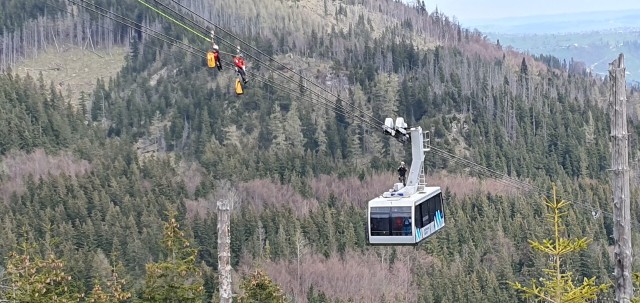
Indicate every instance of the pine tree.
{"type": "Point", "coordinates": [355, 129]}
{"type": "Point", "coordinates": [259, 288]}
{"type": "Point", "coordinates": [558, 286]}
{"type": "Point", "coordinates": [320, 121]}
{"type": "Point", "coordinates": [113, 293]}
{"type": "Point", "coordinates": [177, 279]}
{"type": "Point", "coordinates": [205, 132]}
{"type": "Point", "coordinates": [279, 140]}
{"type": "Point", "coordinates": [36, 280]}
{"type": "Point", "coordinates": [282, 248]}
{"type": "Point", "coordinates": [293, 127]}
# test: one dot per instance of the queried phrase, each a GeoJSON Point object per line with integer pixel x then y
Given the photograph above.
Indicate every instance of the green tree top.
{"type": "Point", "coordinates": [259, 288]}
{"type": "Point", "coordinates": [557, 286]}
{"type": "Point", "coordinates": [37, 280]}
{"type": "Point", "coordinates": [177, 279]}
{"type": "Point", "coordinates": [114, 292]}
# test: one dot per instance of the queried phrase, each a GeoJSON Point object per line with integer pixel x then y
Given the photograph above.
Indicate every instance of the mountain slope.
{"type": "Point", "coordinates": [304, 173]}
{"type": "Point", "coordinates": [74, 70]}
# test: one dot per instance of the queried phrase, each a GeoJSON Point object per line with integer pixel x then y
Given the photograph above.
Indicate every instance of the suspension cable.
{"type": "Point", "coordinates": [491, 171]}
{"type": "Point", "coordinates": [182, 46]}
{"type": "Point", "coordinates": [159, 35]}
{"type": "Point", "coordinates": [177, 22]}
{"type": "Point", "coordinates": [338, 108]}
{"type": "Point", "coordinates": [375, 120]}
{"type": "Point", "coordinates": [507, 180]}
{"type": "Point", "coordinates": [260, 62]}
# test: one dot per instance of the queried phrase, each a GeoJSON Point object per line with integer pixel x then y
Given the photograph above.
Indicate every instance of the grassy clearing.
{"type": "Point", "coordinates": [74, 70]}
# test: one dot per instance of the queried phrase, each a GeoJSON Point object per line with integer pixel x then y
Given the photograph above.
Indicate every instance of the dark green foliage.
{"type": "Point", "coordinates": [259, 288]}
{"type": "Point", "coordinates": [532, 124]}
{"type": "Point", "coordinates": [38, 280]}
{"type": "Point", "coordinates": [31, 117]}
{"type": "Point", "coordinates": [16, 12]}
{"type": "Point", "coordinates": [176, 278]}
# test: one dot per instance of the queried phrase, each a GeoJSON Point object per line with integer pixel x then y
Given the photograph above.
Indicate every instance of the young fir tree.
{"type": "Point", "coordinates": [177, 279]}
{"type": "Point", "coordinates": [113, 293]}
{"type": "Point", "coordinates": [37, 280]}
{"type": "Point", "coordinates": [557, 286]}
{"type": "Point", "coordinates": [259, 288]}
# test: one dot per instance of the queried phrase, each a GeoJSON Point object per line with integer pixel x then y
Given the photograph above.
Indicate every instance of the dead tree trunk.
{"type": "Point", "coordinates": [620, 167]}
{"type": "Point", "coordinates": [228, 198]}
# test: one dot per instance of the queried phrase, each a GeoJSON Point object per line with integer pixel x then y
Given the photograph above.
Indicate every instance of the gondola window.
{"type": "Point", "coordinates": [401, 220]}
{"type": "Point", "coordinates": [380, 221]}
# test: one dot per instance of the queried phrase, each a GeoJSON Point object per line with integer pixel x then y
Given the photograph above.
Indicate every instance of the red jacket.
{"type": "Point", "coordinates": [216, 55]}
{"type": "Point", "coordinates": [239, 62]}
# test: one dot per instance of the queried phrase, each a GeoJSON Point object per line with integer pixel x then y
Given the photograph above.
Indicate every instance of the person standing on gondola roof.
{"type": "Point", "coordinates": [402, 171]}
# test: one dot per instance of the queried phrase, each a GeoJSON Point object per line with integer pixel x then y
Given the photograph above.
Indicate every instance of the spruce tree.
{"type": "Point", "coordinates": [177, 279]}
{"type": "Point", "coordinates": [259, 288]}
{"type": "Point", "coordinates": [557, 285]}
{"type": "Point", "coordinates": [36, 280]}
{"type": "Point", "coordinates": [113, 293]}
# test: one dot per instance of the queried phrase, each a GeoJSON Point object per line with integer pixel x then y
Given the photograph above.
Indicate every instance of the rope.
{"type": "Point", "coordinates": [266, 65]}
{"type": "Point", "coordinates": [517, 183]}
{"type": "Point", "coordinates": [143, 28]}
{"type": "Point", "coordinates": [197, 54]}
{"type": "Point", "coordinates": [338, 108]}
{"type": "Point", "coordinates": [375, 120]}
{"type": "Point", "coordinates": [176, 21]}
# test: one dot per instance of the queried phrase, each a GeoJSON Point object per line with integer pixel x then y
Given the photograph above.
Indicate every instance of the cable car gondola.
{"type": "Point", "coordinates": [407, 214]}
{"type": "Point", "coordinates": [405, 220]}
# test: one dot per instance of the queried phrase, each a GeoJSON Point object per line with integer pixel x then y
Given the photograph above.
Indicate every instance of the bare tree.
{"type": "Point", "coordinates": [227, 199]}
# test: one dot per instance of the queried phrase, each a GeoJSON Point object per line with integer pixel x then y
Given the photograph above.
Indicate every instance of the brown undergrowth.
{"type": "Point", "coordinates": [258, 194]}
{"type": "Point", "coordinates": [16, 167]}
{"type": "Point", "coordinates": [356, 276]}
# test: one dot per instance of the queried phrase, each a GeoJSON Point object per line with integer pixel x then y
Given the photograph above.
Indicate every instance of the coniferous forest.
{"type": "Point", "coordinates": [112, 197]}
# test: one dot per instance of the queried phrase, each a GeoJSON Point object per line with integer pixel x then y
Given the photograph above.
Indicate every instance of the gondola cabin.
{"type": "Point", "coordinates": [405, 220]}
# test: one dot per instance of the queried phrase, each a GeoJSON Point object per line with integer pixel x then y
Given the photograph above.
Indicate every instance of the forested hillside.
{"type": "Point", "coordinates": [94, 185]}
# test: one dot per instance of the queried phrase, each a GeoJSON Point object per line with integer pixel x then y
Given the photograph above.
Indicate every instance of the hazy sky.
{"type": "Point", "coordinates": [469, 10]}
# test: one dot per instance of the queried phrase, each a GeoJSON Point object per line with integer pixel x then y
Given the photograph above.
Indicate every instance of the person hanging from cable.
{"type": "Point", "coordinates": [216, 56]}
{"type": "Point", "coordinates": [213, 57]}
{"type": "Point", "coordinates": [402, 172]}
{"type": "Point", "coordinates": [238, 61]}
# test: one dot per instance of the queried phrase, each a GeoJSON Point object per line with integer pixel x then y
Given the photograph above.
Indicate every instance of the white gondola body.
{"type": "Point", "coordinates": [423, 224]}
